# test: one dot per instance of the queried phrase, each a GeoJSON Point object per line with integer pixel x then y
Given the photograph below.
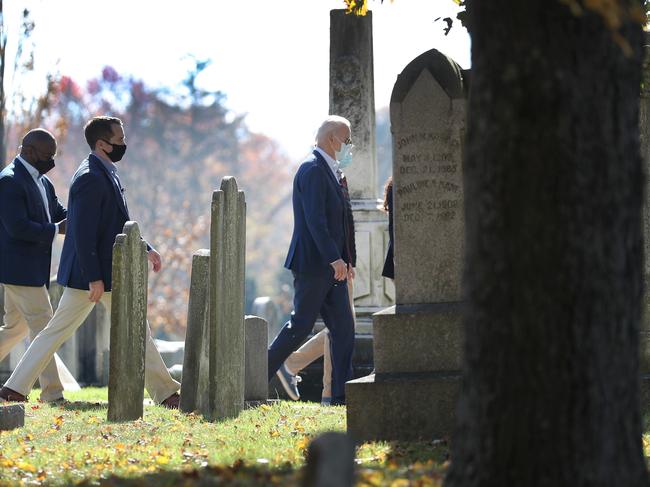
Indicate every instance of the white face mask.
{"type": "Point", "coordinates": [344, 154]}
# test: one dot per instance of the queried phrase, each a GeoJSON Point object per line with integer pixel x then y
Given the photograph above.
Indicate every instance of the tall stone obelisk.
{"type": "Point", "coordinates": [352, 95]}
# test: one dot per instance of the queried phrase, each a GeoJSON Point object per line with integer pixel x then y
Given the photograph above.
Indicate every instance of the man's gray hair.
{"type": "Point", "coordinates": [329, 125]}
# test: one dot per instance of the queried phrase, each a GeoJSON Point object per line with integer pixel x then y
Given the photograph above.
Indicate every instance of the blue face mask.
{"type": "Point", "coordinates": [344, 155]}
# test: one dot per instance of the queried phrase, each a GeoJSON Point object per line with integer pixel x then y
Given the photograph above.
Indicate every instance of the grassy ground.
{"type": "Point", "coordinates": [73, 443]}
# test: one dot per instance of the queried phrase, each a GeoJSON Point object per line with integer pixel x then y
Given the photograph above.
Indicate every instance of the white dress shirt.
{"type": "Point", "coordinates": [38, 180]}
{"type": "Point", "coordinates": [112, 169]}
{"type": "Point", "coordinates": [331, 162]}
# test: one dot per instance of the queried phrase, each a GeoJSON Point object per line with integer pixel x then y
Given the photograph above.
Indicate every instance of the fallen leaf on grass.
{"type": "Point", "coordinates": [27, 467]}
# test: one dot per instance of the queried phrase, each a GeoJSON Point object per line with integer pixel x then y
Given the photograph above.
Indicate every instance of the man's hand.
{"type": "Point", "coordinates": [96, 291]}
{"type": "Point", "coordinates": [340, 269]}
{"type": "Point", "coordinates": [155, 259]}
{"type": "Point", "coordinates": [351, 272]}
{"type": "Point", "coordinates": [61, 225]}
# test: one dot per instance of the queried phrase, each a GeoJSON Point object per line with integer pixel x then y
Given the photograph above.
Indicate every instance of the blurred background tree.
{"type": "Point", "coordinates": [181, 142]}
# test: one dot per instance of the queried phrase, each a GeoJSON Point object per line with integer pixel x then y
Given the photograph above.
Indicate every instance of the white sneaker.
{"type": "Point", "coordinates": [289, 382]}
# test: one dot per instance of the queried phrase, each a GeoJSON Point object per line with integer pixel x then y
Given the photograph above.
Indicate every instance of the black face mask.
{"type": "Point", "coordinates": [117, 153]}
{"type": "Point", "coordinates": [44, 166]}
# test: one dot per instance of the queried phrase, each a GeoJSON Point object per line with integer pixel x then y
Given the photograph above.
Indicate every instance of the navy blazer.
{"type": "Point", "coordinates": [26, 235]}
{"type": "Point", "coordinates": [96, 215]}
{"type": "Point", "coordinates": [319, 218]}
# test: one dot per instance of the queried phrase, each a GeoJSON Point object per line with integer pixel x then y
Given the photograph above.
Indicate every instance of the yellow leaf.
{"type": "Point", "coordinates": [265, 407]}
{"type": "Point", "coordinates": [303, 443]}
{"type": "Point", "coordinates": [162, 460]}
{"type": "Point", "coordinates": [274, 433]}
{"type": "Point", "coordinates": [27, 467]}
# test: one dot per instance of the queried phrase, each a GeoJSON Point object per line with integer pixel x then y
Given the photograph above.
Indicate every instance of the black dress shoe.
{"type": "Point", "coordinates": [9, 395]}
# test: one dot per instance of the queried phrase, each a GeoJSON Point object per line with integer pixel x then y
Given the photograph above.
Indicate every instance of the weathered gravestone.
{"type": "Point", "coordinates": [196, 361]}
{"type": "Point", "coordinates": [256, 360]}
{"type": "Point", "coordinates": [417, 343]}
{"type": "Point", "coordinates": [12, 416]}
{"type": "Point", "coordinates": [226, 313]}
{"type": "Point", "coordinates": [216, 313]}
{"type": "Point", "coordinates": [128, 325]}
{"type": "Point", "coordinates": [196, 383]}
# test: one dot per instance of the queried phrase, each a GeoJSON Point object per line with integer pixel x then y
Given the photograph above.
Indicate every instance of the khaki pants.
{"type": "Point", "coordinates": [71, 313]}
{"type": "Point", "coordinates": [314, 348]}
{"type": "Point", "coordinates": [28, 310]}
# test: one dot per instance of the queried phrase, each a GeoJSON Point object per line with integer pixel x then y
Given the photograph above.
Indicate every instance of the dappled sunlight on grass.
{"type": "Point", "coordinates": [74, 443]}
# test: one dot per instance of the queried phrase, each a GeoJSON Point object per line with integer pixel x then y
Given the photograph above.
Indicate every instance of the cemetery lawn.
{"type": "Point", "coordinates": [74, 444]}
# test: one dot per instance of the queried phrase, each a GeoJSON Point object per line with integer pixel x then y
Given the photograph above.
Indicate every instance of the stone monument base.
{"type": "Point", "coordinates": [413, 393]}
{"type": "Point", "coordinates": [389, 407]}
{"type": "Point", "coordinates": [418, 338]}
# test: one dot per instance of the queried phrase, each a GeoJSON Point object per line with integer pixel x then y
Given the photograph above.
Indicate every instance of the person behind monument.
{"type": "Point", "coordinates": [319, 345]}
{"type": "Point", "coordinates": [319, 258]}
{"type": "Point", "coordinates": [97, 212]}
{"type": "Point", "coordinates": [389, 264]}
{"type": "Point", "coordinates": [30, 218]}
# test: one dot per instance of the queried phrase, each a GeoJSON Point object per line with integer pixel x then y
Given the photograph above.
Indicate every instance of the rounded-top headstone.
{"type": "Point", "coordinates": [427, 115]}
{"type": "Point", "coordinates": [444, 70]}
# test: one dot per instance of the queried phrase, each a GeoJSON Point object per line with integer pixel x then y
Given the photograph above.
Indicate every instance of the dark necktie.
{"type": "Point", "coordinates": [348, 211]}
{"type": "Point", "coordinates": [122, 190]}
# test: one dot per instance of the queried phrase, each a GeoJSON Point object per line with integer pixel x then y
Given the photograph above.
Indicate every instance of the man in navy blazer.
{"type": "Point", "coordinates": [30, 218]}
{"type": "Point", "coordinates": [97, 212]}
{"type": "Point", "coordinates": [319, 258]}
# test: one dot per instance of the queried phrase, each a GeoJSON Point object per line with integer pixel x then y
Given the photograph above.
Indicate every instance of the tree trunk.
{"type": "Point", "coordinates": [553, 278]}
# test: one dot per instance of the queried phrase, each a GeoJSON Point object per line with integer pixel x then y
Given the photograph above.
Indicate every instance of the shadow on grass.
{"type": "Point", "coordinates": [239, 474]}
{"type": "Point", "coordinates": [404, 454]}
{"type": "Point", "coordinates": [407, 463]}
{"type": "Point", "coordinates": [83, 406]}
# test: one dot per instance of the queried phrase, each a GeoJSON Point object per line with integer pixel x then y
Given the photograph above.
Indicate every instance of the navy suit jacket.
{"type": "Point", "coordinates": [96, 215]}
{"type": "Point", "coordinates": [319, 219]}
{"type": "Point", "coordinates": [25, 233]}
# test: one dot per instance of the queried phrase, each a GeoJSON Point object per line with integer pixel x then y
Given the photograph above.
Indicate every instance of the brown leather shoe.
{"type": "Point", "coordinates": [172, 401]}
{"type": "Point", "coordinates": [9, 395]}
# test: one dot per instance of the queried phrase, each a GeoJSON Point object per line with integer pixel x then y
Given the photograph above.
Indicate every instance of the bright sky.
{"type": "Point", "coordinates": [270, 57]}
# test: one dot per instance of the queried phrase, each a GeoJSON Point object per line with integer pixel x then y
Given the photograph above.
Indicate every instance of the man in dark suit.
{"type": "Point", "coordinates": [319, 257]}
{"type": "Point", "coordinates": [97, 212]}
{"type": "Point", "coordinates": [30, 218]}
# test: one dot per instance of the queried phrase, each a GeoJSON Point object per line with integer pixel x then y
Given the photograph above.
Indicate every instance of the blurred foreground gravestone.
{"type": "Point", "coordinates": [330, 461]}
